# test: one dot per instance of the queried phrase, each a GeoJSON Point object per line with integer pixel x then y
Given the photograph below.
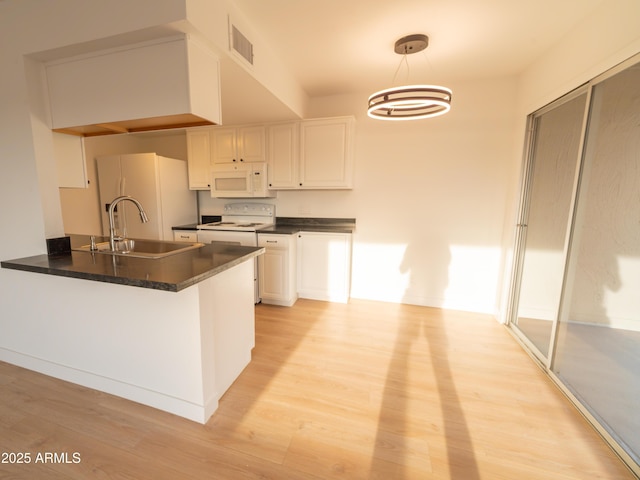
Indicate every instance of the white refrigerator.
{"type": "Point", "coordinates": [160, 184]}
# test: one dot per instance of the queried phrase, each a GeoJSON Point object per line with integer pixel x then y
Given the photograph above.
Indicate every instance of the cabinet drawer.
{"type": "Point", "coordinates": [273, 241]}
{"type": "Point", "coordinates": [185, 236]}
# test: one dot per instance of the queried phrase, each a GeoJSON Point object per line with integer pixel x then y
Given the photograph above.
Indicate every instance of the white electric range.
{"type": "Point", "coordinates": [239, 224]}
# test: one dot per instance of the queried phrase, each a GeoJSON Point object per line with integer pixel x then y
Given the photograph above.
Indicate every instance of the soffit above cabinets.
{"type": "Point", "coordinates": [171, 83]}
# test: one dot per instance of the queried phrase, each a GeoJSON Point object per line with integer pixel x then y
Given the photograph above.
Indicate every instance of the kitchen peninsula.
{"type": "Point", "coordinates": [176, 344]}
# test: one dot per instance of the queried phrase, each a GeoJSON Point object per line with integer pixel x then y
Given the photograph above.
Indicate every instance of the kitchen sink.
{"type": "Point", "coordinates": [141, 248]}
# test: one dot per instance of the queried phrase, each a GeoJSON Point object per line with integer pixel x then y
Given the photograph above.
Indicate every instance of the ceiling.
{"type": "Point", "coordinates": [345, 46]}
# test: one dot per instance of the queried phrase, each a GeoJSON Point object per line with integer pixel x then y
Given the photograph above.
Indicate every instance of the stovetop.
{"type": "Point", "coordinates": [235, 226]}
{"type": "Point", "coordinates": [241, 217]}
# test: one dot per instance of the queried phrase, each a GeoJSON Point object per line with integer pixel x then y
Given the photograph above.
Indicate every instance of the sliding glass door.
{"type": "Point", "coordinates": [597, 352]}
{"type": "Point", "coordinates": [554, 144]}
{"type": "Point", "coordinates": [576, 282]}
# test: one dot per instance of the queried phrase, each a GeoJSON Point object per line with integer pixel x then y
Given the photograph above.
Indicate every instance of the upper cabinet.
{"type": "Point", "coordinates": [283, 154]}
{"type": "Point", "coordinates": [311, 154]}
{"type": "Point", "coordinates": [199, 159]}
{"type": "Point", "coordinates": [326, 153]}
{"type": "Point", "coordinates": [173, 82]}
{"type": "Point", "coordinates": [70, 162]}
{"type": "Point", "coordinates": [306, 155]}
{"type": "Point", "coordinates": [208, 146]}
{"type": "Point", "coordinates": [235, 145]}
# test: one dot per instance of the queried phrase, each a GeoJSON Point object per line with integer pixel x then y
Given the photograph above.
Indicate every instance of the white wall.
{"type": "Point", "coordinates": [608, 36]}
{"type": "Point", "coordinates": [213, 17]}
{"type": "Point", "coordinates": [430, 197]}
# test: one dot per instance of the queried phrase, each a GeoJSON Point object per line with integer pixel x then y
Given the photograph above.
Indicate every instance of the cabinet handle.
{"type": "Point", "coordinates": [272, 241]}
{"type": "Point", "coordinates": [234, 159]}
{"type": "Point", "coordinates": [242, 159]}
{"type": "Point", "coordinates": [301, 184]}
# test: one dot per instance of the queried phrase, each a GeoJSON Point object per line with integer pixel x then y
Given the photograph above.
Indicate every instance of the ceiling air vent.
{"type": "Point", "coordinates": [241, 44]}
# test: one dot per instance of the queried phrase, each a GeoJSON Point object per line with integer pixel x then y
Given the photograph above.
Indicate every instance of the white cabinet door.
{"type": "Point", "coordinates": [70, 161]}
{"type": "Point", "coordinates": [324, 266]}
{"type": "Point", "coordinates": [273, 268]}
{"type": "Point", "coordinates": [277, 269]}
{"type": "Point", "coordinates": [251, 144]}
{"type": "Point", "coordinates": [223, 145]}
{"type": "Point", "coordinates": [312, 154]}
{"type": "Point", "coordinates": [326, 153]}
{"type": "Point", "coordinates": [199, 159]}
{"type": "Point", "coordinates": [236, 145]}
{"type": "Point", "coordinates": [283, 155]}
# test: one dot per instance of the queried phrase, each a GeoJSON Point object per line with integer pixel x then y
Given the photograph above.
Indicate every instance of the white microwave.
{"type": "Point", "coordinates": [240, 180]}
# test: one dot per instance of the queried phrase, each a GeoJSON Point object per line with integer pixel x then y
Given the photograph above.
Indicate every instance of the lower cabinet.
{"type": "Point", "coordinates": [324, 266]}
{"type": "Point", "coordinates": [277, 269]}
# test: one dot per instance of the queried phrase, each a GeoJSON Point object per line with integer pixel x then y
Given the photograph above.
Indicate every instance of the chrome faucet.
{"type": "Point", "coordinates": [112, 207]}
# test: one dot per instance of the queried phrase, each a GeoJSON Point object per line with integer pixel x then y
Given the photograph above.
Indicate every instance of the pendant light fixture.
{"type": "Point", "coordinates": [411, 102]}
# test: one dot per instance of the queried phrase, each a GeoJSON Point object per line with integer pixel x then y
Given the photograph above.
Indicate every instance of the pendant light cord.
{"type": "Point", "coordinates": [406, 62]}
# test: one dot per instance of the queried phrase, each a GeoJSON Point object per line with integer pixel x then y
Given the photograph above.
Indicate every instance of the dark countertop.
{"type": "Point", "coordinates": [191, 226]}
{"type": "Point", "coordinates": [290, 225]}
{"type": "Point", "coordinates": [172, 273]}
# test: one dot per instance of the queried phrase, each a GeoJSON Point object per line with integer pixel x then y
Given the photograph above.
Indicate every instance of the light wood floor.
{"type": "Point", "coordinates": [365, 390]}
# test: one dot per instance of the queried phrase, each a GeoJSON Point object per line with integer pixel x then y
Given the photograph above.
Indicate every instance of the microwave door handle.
{"type": "Point", "coordinates": [256, 182]}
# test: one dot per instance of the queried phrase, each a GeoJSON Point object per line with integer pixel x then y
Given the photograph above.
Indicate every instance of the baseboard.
{"type": "Point", "coordinates": [160, 401]}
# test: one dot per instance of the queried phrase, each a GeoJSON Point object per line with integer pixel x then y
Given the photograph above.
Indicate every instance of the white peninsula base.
{"type": "Point", "coordinates": [178, 352]}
